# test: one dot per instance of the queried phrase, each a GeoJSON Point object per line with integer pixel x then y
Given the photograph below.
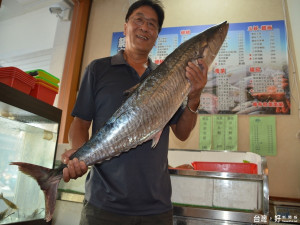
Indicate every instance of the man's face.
{"type": "Point", "coordinates": [141, 30]}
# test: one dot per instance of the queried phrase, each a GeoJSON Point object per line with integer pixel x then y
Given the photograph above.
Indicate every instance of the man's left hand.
{"type": "Point", "coordinates": [197, 75]}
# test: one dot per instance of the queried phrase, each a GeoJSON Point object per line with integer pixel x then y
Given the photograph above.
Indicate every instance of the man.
{"type": "Point", "coordinates": [135, 187]}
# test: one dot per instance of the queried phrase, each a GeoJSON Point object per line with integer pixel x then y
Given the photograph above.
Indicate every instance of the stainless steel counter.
{"type": "Point", "coordinates": [185, 214]}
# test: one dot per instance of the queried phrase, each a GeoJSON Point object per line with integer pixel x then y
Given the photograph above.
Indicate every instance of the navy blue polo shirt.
{"type": "Point", "coordinates": [136, 182]}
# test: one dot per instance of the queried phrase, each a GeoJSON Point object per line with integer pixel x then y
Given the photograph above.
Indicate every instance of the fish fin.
{"type": "Point", "coordinates": [156, 138]}
{"type": "Point", "coordinates": [48, 180]}
{"type": "Point", "coordinates": [130, 90]}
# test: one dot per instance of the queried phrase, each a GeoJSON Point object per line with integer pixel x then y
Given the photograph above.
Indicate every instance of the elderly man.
{"type": "Point", "coordinates": [135, 187]}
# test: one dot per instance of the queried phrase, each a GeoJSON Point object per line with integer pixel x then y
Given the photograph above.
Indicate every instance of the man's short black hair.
{"type": "Point", "coordinates": [156, 5]}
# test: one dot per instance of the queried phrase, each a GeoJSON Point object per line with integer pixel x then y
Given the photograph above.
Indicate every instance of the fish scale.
{"type": "Point", "coordinates": [148, 108]}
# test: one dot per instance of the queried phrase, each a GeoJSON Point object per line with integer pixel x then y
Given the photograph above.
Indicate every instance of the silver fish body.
{"type": "Point", "coordinates": [144, 114]}
{"type": "Point", "coordinates": [153, 102]}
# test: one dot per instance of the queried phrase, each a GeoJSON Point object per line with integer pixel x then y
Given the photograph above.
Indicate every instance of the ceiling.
{"type": "Point", "coordinates": [13, 8]}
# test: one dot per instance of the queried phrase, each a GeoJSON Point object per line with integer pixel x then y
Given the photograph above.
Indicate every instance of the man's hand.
{"type": "Point", "coordinates": [75, 167]}
{"type": "Point", "coordinates": [197, 75]}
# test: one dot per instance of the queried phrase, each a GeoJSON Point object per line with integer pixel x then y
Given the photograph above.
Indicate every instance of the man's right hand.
{"type": "Point", "coordinates": [75, 168]}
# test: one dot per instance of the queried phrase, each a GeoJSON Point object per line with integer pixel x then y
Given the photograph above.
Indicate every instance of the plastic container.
{"type": "Point", "coordinates": [45, 75]}
{"type": "Point", "coordinates": [16, 78]}
{"type": "Point", "coordinates": [44, 93]}
{"type": "Point", "coordinates": [55, 89]}
{"type": "Point", "coordinates": [45, 81]}
{"type": "Point", "coordinates": [249, 168]}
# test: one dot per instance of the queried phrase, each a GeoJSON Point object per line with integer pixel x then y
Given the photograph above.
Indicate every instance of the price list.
{"type": "Point", "coordinates": [225, 133]}
{"type": "Point", "coordinates": [263, 135]}
{"type": "Point", "coordinates": [218, 132]}
{"type": "Point", "coordinates": [164, 46]}
{"type": "Point", "coordinates": [248, 76]}
{"type": "Point", "coordinates": [205, 141]}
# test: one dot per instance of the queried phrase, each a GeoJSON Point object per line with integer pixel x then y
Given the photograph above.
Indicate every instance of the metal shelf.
{"type": "Point", "coordinates": [25, 108]}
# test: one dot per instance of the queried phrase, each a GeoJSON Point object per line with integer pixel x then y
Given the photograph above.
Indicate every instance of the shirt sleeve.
{"type": "Point", "coordinates": [84, 106]}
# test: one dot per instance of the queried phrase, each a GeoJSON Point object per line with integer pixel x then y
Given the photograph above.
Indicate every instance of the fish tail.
{"type": "Point", "coordinates": [48, 180]}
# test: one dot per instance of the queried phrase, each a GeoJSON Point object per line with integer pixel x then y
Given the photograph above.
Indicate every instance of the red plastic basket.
{"type": "Point", "coordinates": [250, 168]}
{"type": "Point", "coordinates": [16, 83]}
{"type": "Point", "coordinates": [44, 93]}
{"type": "Point", "coordinates": [17, 79]}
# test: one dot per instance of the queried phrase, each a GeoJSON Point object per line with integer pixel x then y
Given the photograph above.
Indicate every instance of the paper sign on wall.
{"type": "Point", "coordinates": [263, 135]}
{"type": "Point", "coordinates": [218, 132]}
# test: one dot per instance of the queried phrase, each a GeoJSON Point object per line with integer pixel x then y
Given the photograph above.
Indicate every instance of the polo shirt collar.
{"type": "Point", "coordinates": [118, 59]}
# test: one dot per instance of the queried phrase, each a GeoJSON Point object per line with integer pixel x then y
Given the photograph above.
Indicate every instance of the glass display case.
{"type": "Point", "coordinates": [28, 133]}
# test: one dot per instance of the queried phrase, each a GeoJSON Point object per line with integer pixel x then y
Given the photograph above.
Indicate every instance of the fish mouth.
{"type": "Point", "coordinates": [142, 37]}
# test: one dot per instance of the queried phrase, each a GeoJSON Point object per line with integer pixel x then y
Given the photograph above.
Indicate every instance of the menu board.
{"type": "Point", "coordinates": [248, 76]}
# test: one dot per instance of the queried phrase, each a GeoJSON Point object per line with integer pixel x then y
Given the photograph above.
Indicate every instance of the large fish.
{"type": "Point", "coordinates": [142, 117]}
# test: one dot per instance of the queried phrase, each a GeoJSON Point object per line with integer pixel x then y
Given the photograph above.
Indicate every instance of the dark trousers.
{"type": "Point", "coordinates": [91, 215]}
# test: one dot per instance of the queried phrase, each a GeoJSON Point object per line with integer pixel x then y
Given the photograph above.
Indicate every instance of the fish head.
{"type": "Point", "coordinates": [207, 44]}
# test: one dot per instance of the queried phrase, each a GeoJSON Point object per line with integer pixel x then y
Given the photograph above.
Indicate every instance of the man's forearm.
{"type": "Point", "coordinates": [187, 121]}
{"type": "Point", "coordinates": [78, 133]}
